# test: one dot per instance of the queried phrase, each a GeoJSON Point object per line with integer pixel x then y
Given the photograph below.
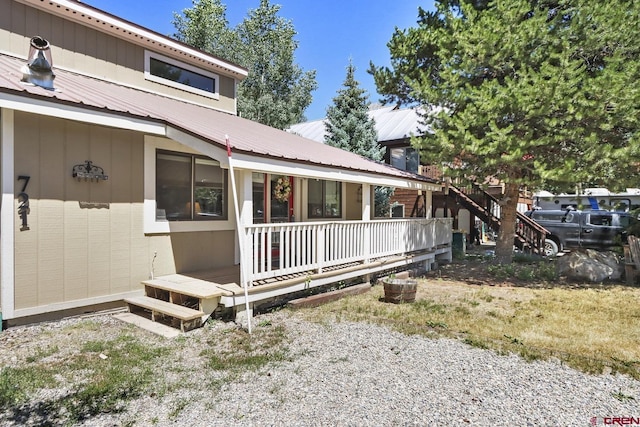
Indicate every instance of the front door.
{"type": "Point", "coordinates": [281, 199]}
{"type": "Point", "coordinates": [276, 208]}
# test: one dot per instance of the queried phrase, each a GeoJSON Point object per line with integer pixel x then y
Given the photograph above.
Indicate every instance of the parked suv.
{"type": "Point", "coordinates": [596, 229]}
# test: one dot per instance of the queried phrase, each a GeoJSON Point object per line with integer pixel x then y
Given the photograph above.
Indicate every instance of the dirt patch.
{"type": "Point", "coordinates": [477, 271]}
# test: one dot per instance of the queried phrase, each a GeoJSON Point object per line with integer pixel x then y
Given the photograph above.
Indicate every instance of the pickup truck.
{"type": "Point", "coordinates": [569, 229]}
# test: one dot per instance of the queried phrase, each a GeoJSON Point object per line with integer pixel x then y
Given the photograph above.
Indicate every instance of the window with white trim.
{"type": "Point", "coordinates": [325, 199]}
{"type": "Point", "coordinates": [397, 211]}
{"type": "Point", "coordinates": [167, 71]}
{"type": "Point", "coordinates": [189, 187]}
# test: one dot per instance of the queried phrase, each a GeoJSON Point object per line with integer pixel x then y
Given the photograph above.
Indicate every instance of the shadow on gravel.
{"type": "Point", "coordinates": [477, 269]}
{"type": "Point", "coordinates": [67, 410]}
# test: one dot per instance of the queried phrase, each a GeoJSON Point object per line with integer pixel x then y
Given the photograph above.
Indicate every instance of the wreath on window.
{"type": "Point", "coordinates": [282, 189]}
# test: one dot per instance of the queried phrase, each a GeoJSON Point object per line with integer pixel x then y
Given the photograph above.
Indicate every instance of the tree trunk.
{"type": "Point", "coordinates": [507, 232]}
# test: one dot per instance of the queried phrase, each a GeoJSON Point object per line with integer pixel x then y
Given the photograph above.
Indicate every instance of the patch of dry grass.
{"type": "Point", "coordinates": [592, 329]}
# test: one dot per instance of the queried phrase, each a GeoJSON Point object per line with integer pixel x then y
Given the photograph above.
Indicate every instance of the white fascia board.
{"type": "Point", "coordinates": [284, 167]}
{"type": "Point", "coordinates": [308, 170]}
{"type": "Point", "coordinates": [125, 28]}
{"type": "Point", "coordinates": [7, 221]}
{"type": "Point", "coordinates": [53, 109]}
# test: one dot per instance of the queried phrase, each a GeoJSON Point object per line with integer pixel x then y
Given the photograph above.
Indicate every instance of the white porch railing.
{"type": "Point", "coordinates": [281, 249]}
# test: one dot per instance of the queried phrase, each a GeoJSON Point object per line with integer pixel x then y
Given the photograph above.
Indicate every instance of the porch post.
{"type": "Point", "coordinates": [366, 202]}
{"type": "Point", "coordinates": [7, 221]}
{"type": "Point", "coordinates": [245, 204]}
{"type": "Point", "coordinates": [428, 203]}
{"type": "Point", "coordinates": [241, 235]}
{"type": "Point", "coordinates": [366, 218]}
{"type": "Point", "coordinates": [245, 191]}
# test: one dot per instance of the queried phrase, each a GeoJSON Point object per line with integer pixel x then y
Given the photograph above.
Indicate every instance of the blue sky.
{"type": "Point", "coordinates": [329, 33]}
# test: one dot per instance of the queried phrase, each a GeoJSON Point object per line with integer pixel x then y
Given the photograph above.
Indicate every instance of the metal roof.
{"type": "Point", "coordinates": [392, 124]}
{"type": "Point", "coordinates": [204, 123]}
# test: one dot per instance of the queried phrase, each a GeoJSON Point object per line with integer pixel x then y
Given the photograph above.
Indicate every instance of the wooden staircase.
{"type": "Point", "coordinates": [178, 301]}
{"type": "Point", "coordinates": [529, 234]}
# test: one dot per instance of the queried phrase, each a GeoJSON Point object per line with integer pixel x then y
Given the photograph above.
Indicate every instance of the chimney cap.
{"type": "Point", "coordinates": [38, 69]}
{"type": "Point", "coordinates": [39, 42]}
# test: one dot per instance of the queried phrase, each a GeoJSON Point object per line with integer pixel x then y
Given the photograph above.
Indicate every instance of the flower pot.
{"type": "Point", "coordinates": [398, 291]}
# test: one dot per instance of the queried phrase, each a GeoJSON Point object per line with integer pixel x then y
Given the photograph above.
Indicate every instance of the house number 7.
{"type": "Point", "coordinates": [23, 202]}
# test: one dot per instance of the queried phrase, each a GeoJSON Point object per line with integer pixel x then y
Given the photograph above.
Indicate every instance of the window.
{"type": "Point", "coordinates": [167, 71]}
{"type": "Point", "coordinates": [325, 199]}
{"type": "Point", "coordinates": [406, 159]}
{"type": "Point", "coordinates": [397, 211]}
{"type": "Point", "coordinates": [596, 219]}
{"type": "Point", "coordinates": [382, 201]}
{"type": "Point", "coordinates": [258, 197]}
{"type": "Point", "coordinates": [189, 188]}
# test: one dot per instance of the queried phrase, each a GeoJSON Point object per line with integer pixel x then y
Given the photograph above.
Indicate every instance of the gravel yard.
{"type": "Point", "coordinates": [332, 373]}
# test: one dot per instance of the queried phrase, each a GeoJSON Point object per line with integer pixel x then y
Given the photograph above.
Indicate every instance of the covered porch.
{"type": "Point", "coordinates": [303, 256]}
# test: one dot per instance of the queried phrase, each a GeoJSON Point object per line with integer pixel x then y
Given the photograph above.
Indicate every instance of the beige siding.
{"type": "Point", "coordinates": [72, 250]}
{"type": "Point", "coordinates": [86, 238]}
{"type": "Point", "coordinates": [203, 250]}
{"type": "Point", "coordinates": [89, 51]}
{"type": "Point", "coordinates": [354, 206]}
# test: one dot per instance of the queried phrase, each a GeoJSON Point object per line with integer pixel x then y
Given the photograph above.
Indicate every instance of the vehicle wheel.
{"type": "Point", "coordinates": [550, 247]}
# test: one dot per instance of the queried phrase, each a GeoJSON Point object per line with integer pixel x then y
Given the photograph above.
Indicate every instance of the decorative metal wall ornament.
{"type": "Point", "coordinates": [89, 171]}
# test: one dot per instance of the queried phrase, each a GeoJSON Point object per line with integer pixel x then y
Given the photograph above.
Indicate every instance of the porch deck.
{"type": "Point", "coordinates": [224, 282]}
{"type": "Point", "coordinates": [299, 257]}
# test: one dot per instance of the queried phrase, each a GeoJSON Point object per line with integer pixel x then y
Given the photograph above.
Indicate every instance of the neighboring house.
{"type": "Point", "coordinates": [394, 127]}
{"type": "Point", "coordinates": [115, 172]}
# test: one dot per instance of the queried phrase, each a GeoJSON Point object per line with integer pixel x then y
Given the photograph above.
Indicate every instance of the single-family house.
{"type": "Point", "coordinates": [127, 175]}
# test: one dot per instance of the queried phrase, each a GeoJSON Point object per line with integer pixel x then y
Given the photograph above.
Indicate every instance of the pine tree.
{"type": "Point", "coordinates": [348, 125]}
{"type": "Point", "coordinates": [533, 93]}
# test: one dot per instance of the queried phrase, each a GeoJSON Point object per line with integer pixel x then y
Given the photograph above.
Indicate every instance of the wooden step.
{"type": "Point", "coordinates": [187, 318]}
{"type": "Point", "coordinates": [193, 287]}
{"type": "Point", "coordinates": [148, 325]}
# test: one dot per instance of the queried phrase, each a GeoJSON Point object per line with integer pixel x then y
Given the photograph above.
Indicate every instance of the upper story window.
{"type": "Point", "coordinates": [163, 70]}
{"type": "Point", "coordinates": [405, 158]}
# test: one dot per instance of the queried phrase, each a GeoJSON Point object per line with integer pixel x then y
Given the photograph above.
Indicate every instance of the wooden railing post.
{"type": "Point", "coordinates": [320, 249]}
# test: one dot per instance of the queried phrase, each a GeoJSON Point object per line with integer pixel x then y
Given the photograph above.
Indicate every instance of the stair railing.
{"type": "Point", "coordinates": [529, 234]}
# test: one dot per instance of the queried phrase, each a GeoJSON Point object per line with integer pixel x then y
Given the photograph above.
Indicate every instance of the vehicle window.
{"type": "Point", "coordinates": [625, 220]}
{"type": "Point", "coordinates": [548, 216]}
{"type": "Point", "coordinates": [605, 220]}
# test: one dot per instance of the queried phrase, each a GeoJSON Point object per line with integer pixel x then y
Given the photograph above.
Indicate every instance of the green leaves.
{"type": "Point", "coordinates": [533, 93]}
{"type": "Point", "coordinates": [277, 91]}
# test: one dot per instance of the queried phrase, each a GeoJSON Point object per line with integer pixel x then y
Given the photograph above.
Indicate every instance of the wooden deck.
{"type": "Point", "coordinates": [224, 282]}
{"type": "Point", "coordinates": [185, 301]}
{"type": "Point", "coordinates": [302, 256]}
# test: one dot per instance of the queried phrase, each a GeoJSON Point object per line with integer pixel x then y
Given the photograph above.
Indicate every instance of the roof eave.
{"type": "Point", "coordinates": [105, 22]}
